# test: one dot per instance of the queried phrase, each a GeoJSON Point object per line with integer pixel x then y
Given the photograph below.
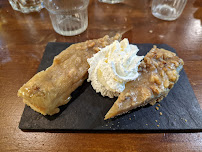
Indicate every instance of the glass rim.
{"type": "Point", "coordinates": [66, 10]}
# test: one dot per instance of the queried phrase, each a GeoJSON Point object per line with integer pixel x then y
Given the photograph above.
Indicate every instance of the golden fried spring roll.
{"type": "Point", "coordinates": [49, 89]}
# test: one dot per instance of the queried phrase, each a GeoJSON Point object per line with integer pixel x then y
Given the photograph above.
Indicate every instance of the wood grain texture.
{"type": "Point", "coordinates": [23, 38]}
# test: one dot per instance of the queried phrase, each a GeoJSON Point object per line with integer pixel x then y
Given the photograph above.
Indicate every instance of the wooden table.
{"type": "Point", "coordinates": [23, 38]}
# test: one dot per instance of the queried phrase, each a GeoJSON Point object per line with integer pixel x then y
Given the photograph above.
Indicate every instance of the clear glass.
{"type": "Point", "coordinates": [168, 9]}
{"type": "Point", "coordinates": [26, 6]}
{"type": "Point", "coordinates": [68, 17]}
{"type": "Point", "coordinates": [111, 1]}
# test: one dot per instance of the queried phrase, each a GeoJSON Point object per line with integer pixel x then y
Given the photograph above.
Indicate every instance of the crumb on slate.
{"type": "Point", "coordinates": [184, 119]}
{"type": "Point", "coordinates": [158, 105]}
{"type": "Point", "coordinates": [161, 113]}
{"type": "Point", "coordinates": [156, 120]}
{"type": "Point", "coordinates": [157, 125]}
{"type": "Point", "coordinates": [157, 108]}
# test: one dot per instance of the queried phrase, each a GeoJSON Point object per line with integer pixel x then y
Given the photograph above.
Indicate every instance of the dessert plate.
{"type": "Point", "coordinates": [178, 112]}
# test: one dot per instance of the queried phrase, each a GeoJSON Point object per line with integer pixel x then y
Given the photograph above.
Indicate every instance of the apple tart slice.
{"type": "Point", "coordinates": [159, 71]}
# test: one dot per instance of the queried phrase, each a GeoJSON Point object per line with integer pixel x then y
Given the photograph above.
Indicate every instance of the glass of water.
{"type": "Point", "coordinates": [168, 9]}
{"type": "Point", "coordinates": [26, 6]}
{"type": "Point", "coordinates": [68, 17]}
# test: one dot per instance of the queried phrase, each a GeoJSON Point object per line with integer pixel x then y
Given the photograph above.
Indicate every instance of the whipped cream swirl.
{"type": "Point", "coordinates": [113, 66]}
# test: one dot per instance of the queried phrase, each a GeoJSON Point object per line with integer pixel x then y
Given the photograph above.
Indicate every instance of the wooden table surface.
{"type": "Point", "coordinates": [23, 38]}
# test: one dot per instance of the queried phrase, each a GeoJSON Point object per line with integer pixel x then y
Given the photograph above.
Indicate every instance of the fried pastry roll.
{"type": "Point", "coordinates": [49, 89]}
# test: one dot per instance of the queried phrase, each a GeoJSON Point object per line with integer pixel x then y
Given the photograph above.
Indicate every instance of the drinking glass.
{"type": "Point", "coordinates": [68, 17]}
{"type": "Point", "coordinates": [168, 9]}
{"type": "Point", "coordinates": [26, 6]}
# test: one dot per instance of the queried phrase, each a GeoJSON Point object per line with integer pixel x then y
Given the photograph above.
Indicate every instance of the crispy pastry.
{"type": "Point", "coordinates": [49, 89]}
{"type": "Point", "coordinates": [159, 71]}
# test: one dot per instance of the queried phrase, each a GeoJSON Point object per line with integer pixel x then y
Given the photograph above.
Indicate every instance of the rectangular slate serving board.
{"type": "Point", "coordinates": [86, 110]}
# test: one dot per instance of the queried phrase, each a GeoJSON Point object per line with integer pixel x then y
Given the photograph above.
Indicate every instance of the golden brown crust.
{"type": "Point", "coordinates": [49, 89]}
{"type": "Point", "coordinates": [158, 73]}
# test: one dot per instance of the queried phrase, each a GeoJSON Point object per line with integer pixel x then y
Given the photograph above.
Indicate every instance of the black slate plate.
{"type": "Point", "coordinates": [85, 112]}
